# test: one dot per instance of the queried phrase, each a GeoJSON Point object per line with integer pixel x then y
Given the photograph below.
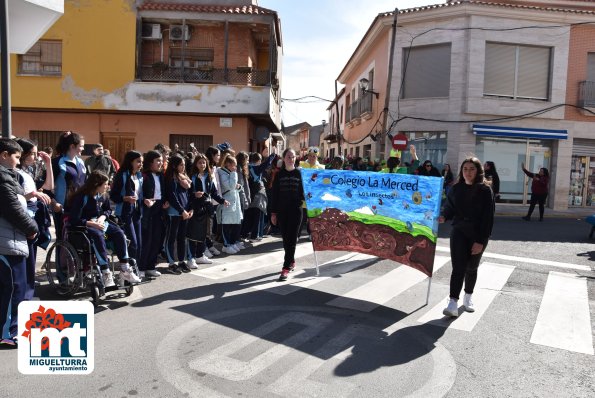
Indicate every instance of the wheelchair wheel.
{"type": "Point", "coordinates": [63, 268]}
{"type": "Point", "coordinates": [95, 295]}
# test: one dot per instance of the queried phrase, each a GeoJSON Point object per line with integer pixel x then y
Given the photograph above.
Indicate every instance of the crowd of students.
{"type": "Point", "coordinates": [162, 203]}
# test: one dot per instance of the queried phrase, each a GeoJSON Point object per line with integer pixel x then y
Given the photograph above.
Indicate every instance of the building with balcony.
{"type": "Point", "coordinates": [509, 81]}
{"type": "Point", "coordinates": [134, 74]}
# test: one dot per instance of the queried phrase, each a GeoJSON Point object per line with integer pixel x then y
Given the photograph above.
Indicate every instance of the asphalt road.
{"type": "Point", "coordinates": [361, 328]}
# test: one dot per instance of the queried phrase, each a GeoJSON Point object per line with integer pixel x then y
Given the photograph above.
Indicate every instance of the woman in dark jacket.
{"type": "Point", "coordinates": [286, 211]}
{"type": "Point", "coordinates": [90, 207]}
{"type": "Point", "coordinates": [202, 191]}
{"type": "Point", "coordinates": [539, 190]}
{"type": "Point", "coordinates": [428, 170]}
{"type": "Point", "coordinates": [492, 175]}
{"type": "Point", "coordinates": [127, 194]}
{"type": "Point", "coordinates": [470, 204]}
{"type": "Point", "coordinates": [153, 212]}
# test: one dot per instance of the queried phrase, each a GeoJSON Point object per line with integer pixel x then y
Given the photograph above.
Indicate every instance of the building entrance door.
{"type": "Point", "coordinates": [118, 144]}
{"type": "Point", "coordinates": [582, 181]}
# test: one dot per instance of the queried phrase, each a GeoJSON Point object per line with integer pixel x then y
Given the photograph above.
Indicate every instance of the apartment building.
{"type": "Point", "coordinates": [134, 74]}
{"type": "Point", "coordinates": [510, 81]}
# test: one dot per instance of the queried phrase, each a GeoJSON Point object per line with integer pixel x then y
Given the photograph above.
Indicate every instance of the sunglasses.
{"type": "Point", "coordinates": [428, 165]}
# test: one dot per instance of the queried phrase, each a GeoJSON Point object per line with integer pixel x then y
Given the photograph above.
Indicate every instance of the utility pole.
{"type": "Point", "coordinates": [5, 69]}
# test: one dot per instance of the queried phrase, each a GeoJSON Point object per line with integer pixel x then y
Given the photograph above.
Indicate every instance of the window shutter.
{"type": "Point", "coordinates": [499, 70]}
{"type": "Point", "coordinates": [591, 67]}
{"type": "Point", "coordinates": [427, 71]}
{"type": "Point", "coordinates": [533, 72]}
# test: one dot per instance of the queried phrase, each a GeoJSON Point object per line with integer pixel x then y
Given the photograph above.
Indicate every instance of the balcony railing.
{"type": "Point", "coordinates": [197, 75]}
{"type": "Point", "coordinates": [587, 94]}
{"type": "Point", "coordinates": [366, 103]}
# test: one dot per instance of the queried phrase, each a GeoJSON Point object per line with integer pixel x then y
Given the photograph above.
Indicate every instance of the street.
{"type": "Point", "coordinates": [359, 328]}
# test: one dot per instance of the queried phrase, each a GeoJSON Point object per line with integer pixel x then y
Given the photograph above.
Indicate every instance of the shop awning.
{"type": "Point", "coordinates": [519, 132]}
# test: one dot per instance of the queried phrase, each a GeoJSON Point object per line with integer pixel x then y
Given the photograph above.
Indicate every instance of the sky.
{"type": "Point", "coordinates": [319, 37]}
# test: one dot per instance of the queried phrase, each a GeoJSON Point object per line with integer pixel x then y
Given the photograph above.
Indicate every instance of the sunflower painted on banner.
{"type": "Point", "coordinates": [392, 216]}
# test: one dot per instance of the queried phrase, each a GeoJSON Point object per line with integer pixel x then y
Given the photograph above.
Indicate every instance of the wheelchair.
{"type": "Point", "coordinates": [71, 267]}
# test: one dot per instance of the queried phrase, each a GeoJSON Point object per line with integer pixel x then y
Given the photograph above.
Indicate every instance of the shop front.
{"type": "Point", "coordinates": [511, 147]}
{"type": "Point", "coordinates": [582, 174]}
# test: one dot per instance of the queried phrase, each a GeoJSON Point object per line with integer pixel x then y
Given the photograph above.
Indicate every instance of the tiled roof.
{"type": "Point", "coordinates": [215, 9]}
{"type": "Point", "coordinates": [531, 6]}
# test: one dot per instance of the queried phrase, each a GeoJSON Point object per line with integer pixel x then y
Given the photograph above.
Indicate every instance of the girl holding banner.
{"type": "Point", "coordinates": [286, 200]}
{"type": "Point", "coordinates": [470, 203]}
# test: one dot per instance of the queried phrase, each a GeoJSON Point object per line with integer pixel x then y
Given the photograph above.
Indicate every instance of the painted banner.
{"type": "Point", "coordinates": [391, 216]}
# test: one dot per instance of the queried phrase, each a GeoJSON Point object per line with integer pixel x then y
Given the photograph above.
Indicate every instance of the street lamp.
{"type": "Point", "coordinates": [364, 84]}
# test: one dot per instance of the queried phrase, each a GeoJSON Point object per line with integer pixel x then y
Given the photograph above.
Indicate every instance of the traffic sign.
{"type": "Point", "coordinates": [400, 142]}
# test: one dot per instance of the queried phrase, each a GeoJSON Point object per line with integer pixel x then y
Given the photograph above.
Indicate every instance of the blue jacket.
{"type": "Point", "coordinates": [210, 193]}
{"type": "Point", "coordinates": [87, 207]}
{"type": "Point", "coordinates": [124, 186]}
{"type": "Point", "coordinates": [178, 198]}
{"type": "Point", "coordinates": [69, 175]}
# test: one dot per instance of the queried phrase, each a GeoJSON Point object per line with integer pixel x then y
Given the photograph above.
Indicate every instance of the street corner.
{"type": "Point", "coordinates": [297, 351]}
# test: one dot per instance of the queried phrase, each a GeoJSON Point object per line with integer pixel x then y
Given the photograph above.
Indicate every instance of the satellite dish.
{"type": "Point", "coordinates": [261, 133]}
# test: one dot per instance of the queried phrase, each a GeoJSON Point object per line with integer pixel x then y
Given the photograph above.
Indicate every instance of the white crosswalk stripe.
{"type": "Point", "coordinates": [491, 278]}
{"type": "Point", "coordinates": [563, 320]}
{"type": "Point", "coordinates": [381, 290]}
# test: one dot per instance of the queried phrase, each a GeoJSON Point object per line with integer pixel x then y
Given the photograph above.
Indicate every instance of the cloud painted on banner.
{"type": "Point", "coordinates": [364, 210]}
{"type": "Point", "coordinates": [328, 196]}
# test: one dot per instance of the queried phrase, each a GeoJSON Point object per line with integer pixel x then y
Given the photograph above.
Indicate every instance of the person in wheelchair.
{"type": "Point", "coordinates": [90, 207]}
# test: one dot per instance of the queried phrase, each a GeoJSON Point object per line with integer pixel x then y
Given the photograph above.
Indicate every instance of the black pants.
{"type": "Point", "coordinates": [464, 264]}
{"type": "Point", "coordinates": [152, 236]}
{"type": "Point", "coordinates": [175, 237]}
{"type": "Point", "coordinates": [290, 221]}
{"type": "Point", "coordinates": [537, 198]}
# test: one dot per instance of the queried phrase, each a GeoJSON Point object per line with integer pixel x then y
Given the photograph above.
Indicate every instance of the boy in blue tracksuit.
{"type": "Point", "coordinates": [15, 227]}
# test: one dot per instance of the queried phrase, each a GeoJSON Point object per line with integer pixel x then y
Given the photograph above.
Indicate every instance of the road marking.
{"type": "Point", "coordinates": [221, 362]}
{"type": "Point", "coordinates": [527, 260]}
{"type": "Point", "coordinates": [491, 278]}
{"type": "Point", "coordinates": [229, 268]}
{"type": "Point", "coordinates": [563, 320]}
{"type": "Point", "coordinates": [383, 289]}
{"type": "Point", "coordinates": [305, 278]}
{"type": "Point", "coordinates": [176, 370]}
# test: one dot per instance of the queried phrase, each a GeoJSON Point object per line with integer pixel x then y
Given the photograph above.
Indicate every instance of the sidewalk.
{"type": "Point", "coordinates": [507, 210]}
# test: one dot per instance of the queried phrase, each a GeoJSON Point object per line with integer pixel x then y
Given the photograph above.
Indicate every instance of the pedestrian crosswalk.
{"type": "Point", "coordinates": [563, 321]}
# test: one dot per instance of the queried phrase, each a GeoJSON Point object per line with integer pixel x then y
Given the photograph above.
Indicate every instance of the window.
{"type": "Point", "coordinates": [426, 71]}
{"type": "Point", "coordinates": [591, 67]}
{"type": "Point", "coordinates": [516, 71]}
{"type": "Point", "coordinates": [45, 139]}
{"type": "Point", "coordinates": [429, 145]}
{"type": "Point", "coordinates": [44, 58]}
{"type": "Point", "coordinates": [193, 57]}
{"type": "Point", "coordinates": [200, 142]}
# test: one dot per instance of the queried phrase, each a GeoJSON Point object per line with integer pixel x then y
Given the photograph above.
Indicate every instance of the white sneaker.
{"type": "Point", "coordinates": [130, 277]}
{"type": "Point", "coordinates": [214, 251]}
{"type": "Point", "coordinates": [207, 253]}
{"type": "Point", "coordinates": [192, 264]}
{"type": "Point", "coordinates": [141, 274]}
{"type": "Point", "coordinates": [468, 303]}
{"type": "Point", "coordinates": [108, 278]}
{"type": "Point", "coordinates": [203, 260]}
{"type": "Point", "coordinates": [240, 245]}
{"type": "Point", "coordinates": [152, 272]}
{"type": "Point", "coordinates": [452, 309]}
{"type": "Point", "coordinates": [229, 249]}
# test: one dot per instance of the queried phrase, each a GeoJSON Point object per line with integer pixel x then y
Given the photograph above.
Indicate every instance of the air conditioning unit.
{"type": "Point", "coordinates": [151, 31]}
{"type": "Point", "coordinates": [179, 32]}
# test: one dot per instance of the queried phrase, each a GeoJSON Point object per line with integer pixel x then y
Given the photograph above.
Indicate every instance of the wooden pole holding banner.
{"type": "Point", "coordinates": [315, 258]}
{"type": "Point", "coordinates": [429, 286]}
